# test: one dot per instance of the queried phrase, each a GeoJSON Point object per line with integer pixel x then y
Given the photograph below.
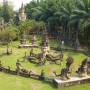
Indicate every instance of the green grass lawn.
{"type": "Point", "coordinates": [11, 82]}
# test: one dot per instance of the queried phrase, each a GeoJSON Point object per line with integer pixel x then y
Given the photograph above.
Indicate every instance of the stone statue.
{"type": "Point", "coordinates": [42, 76]}
{"type": "Point", "coordinates": [45, 42]}
{"type": "Point", "coordinates": [42, 58]}
{"type": "Point", "coordinates": [23, 38]}
{"type": "Point", "coordinates": [1, 66]}
{"type": "Point", "coordinates": [33, 39]}
{"type": "Point", "coordinates": [88, 67]}
{"type": "Point", "coordinates": [82, 70]}
{"type": "Point", "coordinates": [18, 66]}
{"type": "Point", "coordinates": [24, 56]}
{"type": "Point", "coordinates": [31, 52]}
{"type": "Point", "coordinates": [69, 62]}
{"type": "Point", "coordinates": [61, 56]}
{"type": "Point", "coordinates": [62, 44]}
{"type": "Point", "coordinates": [64, 74]}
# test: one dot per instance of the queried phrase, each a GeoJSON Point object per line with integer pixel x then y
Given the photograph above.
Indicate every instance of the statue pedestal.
{"type": "Point", "coordinates": [82, 75]}
{"type": "Point", "coordinates": [72, 81]}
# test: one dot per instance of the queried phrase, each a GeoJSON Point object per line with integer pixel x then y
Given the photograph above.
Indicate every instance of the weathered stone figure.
{"type": "Point", "coordinates": [44, 49]}
{"type": "Point", "coordinates": [69, 63]}
{"type": "Point", "coordinates": [46, 40]}
{"type": "Point", "coordinates": [31, 52]}
{"type": "Point", "coordinates": [1, 66]}
{"type": "Point", "coordinates": [8, 50]}
{"type": "Point", "coordinates": [25, 55]}
{"type": "Point", "coordinates": [42, 76]}
{"type": "Point", "coordinates": [33, 39]}
{"type": "Point", "coordinates": [62, 44]}
{"type": "Point", "coordinates": [22, 39]}
{"type": "Point", "coordinates": [42, 58]}
{"type": "Point", "coordinates": [64, 74]}
{"type": "Point", "coordinates": [54, 59]}
{"type": "Point", "coordinates": [18, 66]}
{"type": "Point", "coordinates": [45, 43]}
{"type": "Point", "coordinates": [88, 68]}
{"type": "Point", "coordinates": [82, 70]}
{"type": "Point", "coordinates": [61, 56]}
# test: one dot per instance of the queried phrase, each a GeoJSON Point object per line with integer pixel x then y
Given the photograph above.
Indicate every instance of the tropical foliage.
{"type": "Point", "coordinates": [67, 20]}
{"type": "Point", "coordinates": [7, 35]}
{"type": "Point", "coordinates": [30, 26]}
{"type": "Point", "coordinates": [70, 16]}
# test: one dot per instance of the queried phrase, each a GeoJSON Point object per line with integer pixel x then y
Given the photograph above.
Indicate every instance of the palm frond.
{"type": "Point", "coordinates": [80, 4]}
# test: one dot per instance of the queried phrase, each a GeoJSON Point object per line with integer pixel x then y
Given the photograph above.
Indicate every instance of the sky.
{"type": "Point", "coordinates": [17, 3]}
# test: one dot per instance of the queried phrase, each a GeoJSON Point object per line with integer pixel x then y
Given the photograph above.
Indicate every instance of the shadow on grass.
{"type": "Point", "coordinates": [43, 82]}
{"type": "Point", "coordinates": [50, 83]}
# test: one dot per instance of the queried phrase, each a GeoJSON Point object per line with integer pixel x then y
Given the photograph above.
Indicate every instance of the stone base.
{"type": "Point", "coordinates": [27, 46]}
{"type": "Point", "coordinates": [71, 81]}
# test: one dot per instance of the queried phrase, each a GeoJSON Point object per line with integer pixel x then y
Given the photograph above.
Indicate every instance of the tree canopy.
{"type": "Point", "coordinates": [73, 16]}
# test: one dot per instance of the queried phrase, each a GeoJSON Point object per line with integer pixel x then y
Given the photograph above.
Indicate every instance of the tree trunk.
{"type": "Point", "coordinates": [77, 42]}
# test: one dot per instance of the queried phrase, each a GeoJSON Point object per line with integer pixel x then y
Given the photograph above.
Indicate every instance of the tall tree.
{"type": "Point", "coordinates": [72, 15]}
{"type": "Point", "coordinates": [7, 11]}
{"type": "Point", "coordinates": [80, 17]}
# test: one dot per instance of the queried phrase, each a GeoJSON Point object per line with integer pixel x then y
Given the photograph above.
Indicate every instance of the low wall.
{"type": "Point", "coordinates": [57, 82]}
{"type": "Point", "coordinates": [26, 74]}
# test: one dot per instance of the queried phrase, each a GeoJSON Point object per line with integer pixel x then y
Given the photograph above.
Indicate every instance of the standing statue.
{"type": "Point", "coordinates": [62, 44]}
{"type": "Point", "coordinates": [69, 63]}
{"type": "Point", "coordinates": [42, 58]}
{"type": "Point", "coordinates": [1, 66]}
{"type": "Point", "coordinates": [88, 68]}
{"type": "Point", "coordinates": [82, 70]}
{"type": "Point", "coordinates": [33, 39]}
{"type": "Point", "coordinates": [31, 52]}
{"type": "Point", "coordinates": [23, 38]}
{"type": "Point", "coordinates": [61, 56]}
{"type": "Point", "coordinates": [42, 76]}
{"type": "Point", "coordinates": [18, 67]}
{"type": "Point", "coordinates": [64, 74]}
{"type": "Point", "coordinates": [45, 43]}
{"type": "Point", "coordinates": [45, 49]}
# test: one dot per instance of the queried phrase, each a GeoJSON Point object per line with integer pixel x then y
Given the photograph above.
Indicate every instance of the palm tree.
{"type": "Point", "coordinates": [64, 14]}
{"type": "Point", "coordinates": [69, 14]}
{"type": "Point", "coordinates": [80, 16]}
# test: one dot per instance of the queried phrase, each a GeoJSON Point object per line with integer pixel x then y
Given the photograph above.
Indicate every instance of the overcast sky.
{"type": "Point", "coordinates": [17, 3]}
